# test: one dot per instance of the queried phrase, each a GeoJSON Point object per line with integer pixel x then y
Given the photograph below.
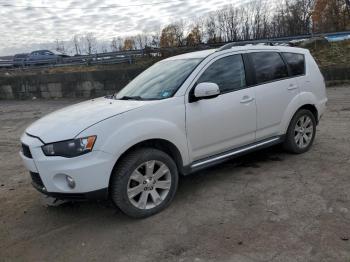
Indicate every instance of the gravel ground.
{"type": "Point", "coordinates": [267, 206]}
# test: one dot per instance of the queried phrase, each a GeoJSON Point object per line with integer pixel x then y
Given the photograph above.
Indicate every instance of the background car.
{"type": "Point", "coordinates": [43, 57]}
{"type": "Point", "coordinates": [20, 59]}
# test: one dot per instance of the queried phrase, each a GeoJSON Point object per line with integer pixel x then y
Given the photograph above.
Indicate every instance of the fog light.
{"type": "Point", "coordinates": [70, 181]}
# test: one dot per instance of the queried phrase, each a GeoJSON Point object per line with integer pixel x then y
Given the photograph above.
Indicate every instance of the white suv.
{"type": "Point", "coordinates": [182, 114]}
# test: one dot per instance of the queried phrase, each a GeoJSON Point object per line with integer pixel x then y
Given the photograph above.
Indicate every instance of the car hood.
{"type": "Point", "coordinates": [68, 122]}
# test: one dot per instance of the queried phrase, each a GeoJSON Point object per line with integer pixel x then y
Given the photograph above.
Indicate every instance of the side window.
{"type": "Point", "coordinates": [268, 66]}
{"type": "Point", "coordinates": [296, 63]}
{"type": "Point", "coordinates": [228, 73]}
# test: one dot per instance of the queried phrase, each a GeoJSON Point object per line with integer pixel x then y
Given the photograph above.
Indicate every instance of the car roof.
{"type": "Point", "coordinates": [205, 53]}
{"type": "Point", "coordinates": [43, 50]}
{"type": "Point", "coordinates": [21, 54]}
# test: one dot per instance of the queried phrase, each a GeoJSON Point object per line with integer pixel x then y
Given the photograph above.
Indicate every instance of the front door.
{"type": "Point", "coordinates": [225, 122]}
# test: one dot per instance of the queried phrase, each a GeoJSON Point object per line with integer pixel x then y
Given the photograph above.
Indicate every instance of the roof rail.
{"type": "Point", "coordinates": [252, 42]}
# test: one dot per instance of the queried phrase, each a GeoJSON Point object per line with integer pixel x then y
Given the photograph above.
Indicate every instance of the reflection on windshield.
{"type": "Point", "coordinates": [159, 81]}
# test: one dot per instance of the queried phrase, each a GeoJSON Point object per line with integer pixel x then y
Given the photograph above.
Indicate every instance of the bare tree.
{"type": "Point", "coordinates": [90, 43]}
{"type": "Point", "coordinates": [116, 44]}
{"type": "Point", "coordinates": [246, 22]}
{"type": "Point", "coordinates": [104, 48]}
{"type": "Point", "coordinates": [141, 40]}
{"type": "Point", "coordinates": [231, 23]}
{"type": "Point", "coordinates": [211, 29]}
{"type": "Point", "coordinates": [77, 44]}
{"type": "Point", "coordinates": [179, 30]}
{"type": "Point", "coordinates": [60, 47]}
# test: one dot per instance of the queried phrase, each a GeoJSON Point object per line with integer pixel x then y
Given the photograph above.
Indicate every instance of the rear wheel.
{"type": "Point", "coordinates": [144, 182]}
{"type": "Point", "coordinates": [301, 132]}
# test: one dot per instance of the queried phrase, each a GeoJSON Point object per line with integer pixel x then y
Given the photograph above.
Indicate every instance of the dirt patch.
{"type": "Point", "coordinates": [266, 206]}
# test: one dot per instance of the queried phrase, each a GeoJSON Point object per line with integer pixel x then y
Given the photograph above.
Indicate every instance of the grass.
{"type": "Point", "coordinates": [332, 54]}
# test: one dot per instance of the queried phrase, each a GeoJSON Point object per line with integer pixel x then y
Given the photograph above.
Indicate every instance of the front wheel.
{"type": "Point", "coordinates": [301, 132]}
{"type": "Point", "coordinates": [144, 182]}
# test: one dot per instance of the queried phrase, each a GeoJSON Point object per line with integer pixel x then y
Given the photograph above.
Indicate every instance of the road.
{"type": "Point", "coordinates": [267, 206]}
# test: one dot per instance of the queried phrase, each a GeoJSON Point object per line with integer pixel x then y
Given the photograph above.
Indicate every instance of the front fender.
{"type": "Point", "coordinates": [165, 120]}
{"type": "Point", "coordinates": [145, 129]}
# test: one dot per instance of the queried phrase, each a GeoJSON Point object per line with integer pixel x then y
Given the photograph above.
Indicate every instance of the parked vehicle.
{"type": "Point", "coordinates": [43, 57]}
{"type": "Point", "coordinates": [19, 59]}
{"type": "Point", "coordinates": [183, 114]}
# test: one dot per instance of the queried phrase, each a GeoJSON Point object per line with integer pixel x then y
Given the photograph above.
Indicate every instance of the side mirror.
{"type": "Point", "coordinates": [206, 90]}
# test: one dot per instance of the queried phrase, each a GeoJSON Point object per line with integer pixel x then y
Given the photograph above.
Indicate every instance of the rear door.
{"type": "Point", "coordinates": [274, 90]}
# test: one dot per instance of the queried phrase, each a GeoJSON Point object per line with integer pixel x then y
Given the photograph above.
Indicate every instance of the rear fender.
{"type": "Point", "coordinates": [303, 98]}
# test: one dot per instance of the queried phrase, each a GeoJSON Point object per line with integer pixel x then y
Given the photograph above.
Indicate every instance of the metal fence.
{"type": "Point", "coordinates": [129, 56]}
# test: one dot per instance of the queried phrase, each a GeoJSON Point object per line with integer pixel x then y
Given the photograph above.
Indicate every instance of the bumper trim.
{"type": "Point", "coordinates": [100, 194]}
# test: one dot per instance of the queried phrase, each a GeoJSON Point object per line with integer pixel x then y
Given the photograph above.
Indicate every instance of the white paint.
{"type": "Point", "coordinates": [199, 129]}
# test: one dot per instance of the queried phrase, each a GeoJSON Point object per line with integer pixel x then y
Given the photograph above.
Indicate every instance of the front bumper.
{"type": "Point", "coordinates": [91, 172]}
{"type": "Point", "coordinates": [92, 195]}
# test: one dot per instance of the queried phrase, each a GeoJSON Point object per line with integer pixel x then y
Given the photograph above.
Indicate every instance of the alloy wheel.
{"type": "Point", "coordinates": [303, 131]}
{"type": "Point", "coordinates": [149, 184]}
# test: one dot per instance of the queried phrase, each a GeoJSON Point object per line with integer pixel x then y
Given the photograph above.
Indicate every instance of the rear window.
{"type": "Point", "coordinates": [269, 66]}
{"type": "Point", "coordinates": [296, 63]}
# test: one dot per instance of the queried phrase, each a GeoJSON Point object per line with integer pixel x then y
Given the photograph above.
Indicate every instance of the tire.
{"type": "Point", "coordinates": [295, 141]}
{"type": "Point", "coordinates": [139, 193]}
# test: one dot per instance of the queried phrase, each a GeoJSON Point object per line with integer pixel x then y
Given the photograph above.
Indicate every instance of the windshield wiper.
{"type": "Point", "coordinates": [130, 98]}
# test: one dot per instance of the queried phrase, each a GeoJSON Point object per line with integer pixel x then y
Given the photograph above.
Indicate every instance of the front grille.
{"type": "Point", "coordinates": [26, 151]}
{"type": "Point", "coordinates": [36, 180]}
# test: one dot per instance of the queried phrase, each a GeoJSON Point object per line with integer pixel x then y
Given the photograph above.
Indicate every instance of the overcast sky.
{"type": "Point", "coordinates": [23, 28]}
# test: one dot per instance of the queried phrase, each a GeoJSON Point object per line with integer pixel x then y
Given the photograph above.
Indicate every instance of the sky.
{"type": "Point", "coordinates": [24, 28]}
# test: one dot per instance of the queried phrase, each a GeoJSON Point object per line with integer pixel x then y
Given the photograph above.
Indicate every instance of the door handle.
{"type": "Point", "coordinates": [246, 99]}
{"type": "Point", "coordinates": [292, 87]}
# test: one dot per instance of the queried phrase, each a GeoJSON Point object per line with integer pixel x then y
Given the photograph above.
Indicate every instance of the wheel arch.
{"type": "Point", "coordinates": [312, 108]}
{"type": "Point", "coordinates": [309, 106]}
{"type": "Point", "coordinates": [157, 143]}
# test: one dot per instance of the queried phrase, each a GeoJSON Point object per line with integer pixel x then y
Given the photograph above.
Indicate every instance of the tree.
{"type": "Point", "coordinates": [331, 15]}
{"type": "Point", "coordinates": [194, 38]}
{"type": "Point", "coordinates": [129, 44]}
{"type": "Point", "coordinates": [211, 29]}
{"type": "Point", "coordinates": [116, 44]}
{"type": "Point", "coordinates": [104, 48]}
{"type": "Point", "coordinates": [60, 47]}
{"type": "Point", "coordinates": [142, 40]}
{"type": "Point", "coordinates": [76, 43]}
{"type": "Point", "coordinates": [172, 36]}
{"type": "Point", "coordinates": [90, 43]}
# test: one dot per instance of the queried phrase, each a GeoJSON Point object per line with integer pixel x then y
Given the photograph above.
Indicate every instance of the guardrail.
{"type": "Point", "coordinates": [101, 58]}
{"type": "Point", "coordinates": [129, 56]}
{"type": "Point", "coordinates": [6, 63]}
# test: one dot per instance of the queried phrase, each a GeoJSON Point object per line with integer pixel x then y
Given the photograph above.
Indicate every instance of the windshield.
{"type": "Point", "coordinates": [159, 81]}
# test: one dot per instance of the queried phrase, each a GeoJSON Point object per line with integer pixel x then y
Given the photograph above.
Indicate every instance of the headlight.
{"type": "Point", "coordinates": [70, 148]}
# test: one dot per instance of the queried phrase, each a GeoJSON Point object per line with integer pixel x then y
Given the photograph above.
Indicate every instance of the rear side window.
{"type": "Point", "coordinates": [296, 63]}
{"type": "Point", "coordinates": [268, 66]}
{"type": "Point", "coordinates": [228, 73]}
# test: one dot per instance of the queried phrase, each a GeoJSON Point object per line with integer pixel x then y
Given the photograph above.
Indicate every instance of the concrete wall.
{"type": "Point", "coordinates": [336, 74]}
{"type": "Point", "coordinates": [97, 83]}
{"type": "Point", "coordinates": [58, 85]}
